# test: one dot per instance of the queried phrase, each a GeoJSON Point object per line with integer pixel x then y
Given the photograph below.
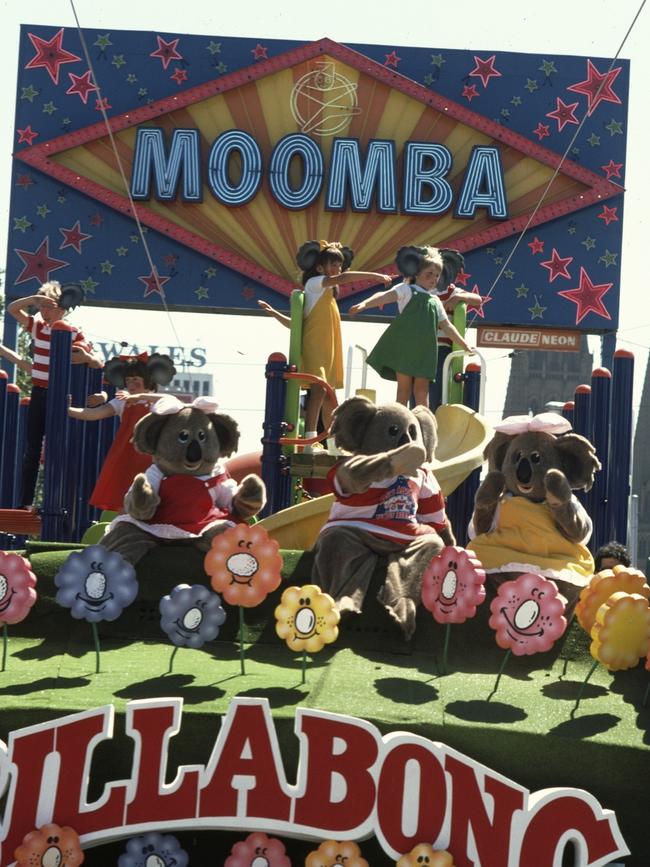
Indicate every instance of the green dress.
{"type": "Point", "coordinates": [409, 345]}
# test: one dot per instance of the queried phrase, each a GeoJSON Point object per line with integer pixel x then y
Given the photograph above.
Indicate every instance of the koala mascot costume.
{"type": "Point", "coordinates": [387, 504]}
{"type": "Point", "coordinates": [526, 518]}
{"type": "Point", "coordinates": [186, 495]}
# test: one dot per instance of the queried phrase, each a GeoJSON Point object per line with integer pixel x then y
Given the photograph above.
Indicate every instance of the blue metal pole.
{"type": "Point", "coordinates": [275, 465]}
{"type": "Point", "coordinates": [11, 442]}
{"type": "Point", "coordinates": [88, 475]}
{"type": "Point", "coordinates": [57, 518]}
{"type": "Point", "coordinates": [4, 382]}
{"type": "Point", "coordinates": [620, 444]}
{"type": "Point", "coordinates": [20, 447]}
{"type": "Point", "coordinates": [460, 503]}
{"type": "Point", "coordinates": [76, 440]}
{"type": "Point", "coordinates": [106, 435]}
{"type": "Point", "coordinates": [582, 422]}
{"type": "Point", "coordinates": [601, 380]}
{"type": "Point", "coordinates": [567, 411]}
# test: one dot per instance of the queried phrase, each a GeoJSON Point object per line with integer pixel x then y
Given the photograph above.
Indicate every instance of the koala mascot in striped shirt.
{"type": "Point", "coordinates": [387, 504]}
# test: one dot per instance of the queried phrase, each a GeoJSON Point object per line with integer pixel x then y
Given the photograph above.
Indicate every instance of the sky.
{"type": "Point", "coordinates": [238, 347]}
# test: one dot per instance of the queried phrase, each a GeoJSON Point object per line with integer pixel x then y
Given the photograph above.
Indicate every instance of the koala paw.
{"type": "Point", "coordinates": [141, 501]}
{"type": "Point", "coordinates": [406, 459]}
{"type": "Point", "coordinates": [558, 491]}
{"type": "Point", "coordinates": [492, 486]}
{"type": "Point", "coordinates": [250, 497]}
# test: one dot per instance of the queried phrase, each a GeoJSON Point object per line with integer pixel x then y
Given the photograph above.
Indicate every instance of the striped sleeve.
{"type": "Point", "coordinates": [431, 504]}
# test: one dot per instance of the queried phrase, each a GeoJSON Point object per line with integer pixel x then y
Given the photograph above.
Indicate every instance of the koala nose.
{"type": "Point", "coordinates": [404, 439]}
{"type": "Point", "coordinates": [193, 452]}
{"type": "Point", "coordinates": [524, 471]}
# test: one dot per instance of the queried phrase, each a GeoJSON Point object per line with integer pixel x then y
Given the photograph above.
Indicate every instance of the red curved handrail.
{"type": "Point", "coordinates": [308, 377]}
{"type": "Point", "coordinates": [22, 522]}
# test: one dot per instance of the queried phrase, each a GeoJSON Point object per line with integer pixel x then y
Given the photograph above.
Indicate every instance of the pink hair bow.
{"type": "Point", "coordinates": [545, 422]}
{"type": "Point", "coordinates": [171, 405]}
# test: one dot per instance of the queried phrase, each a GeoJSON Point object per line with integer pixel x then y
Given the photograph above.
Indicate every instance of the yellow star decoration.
{"type": "Point", "coordinates": [620, 579]}
{"type": "Point", "coordinates": [307, 618]}
{"type": "Point", "coordinates": [621, 633]}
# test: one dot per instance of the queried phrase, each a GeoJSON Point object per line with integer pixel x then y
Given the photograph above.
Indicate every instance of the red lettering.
{"type": "Point", "coordinates": [337, 751]}
{"type": "Point", "coordinates": [246, 747]}
{"type": "Point", "coordinates": [151, 725]}
{"type": "Point", "coordinates": [397, 799]}
{"type": "Point", "coordinates": [598, 839]}
{"type": "Point", "coordinates": [468, 810]}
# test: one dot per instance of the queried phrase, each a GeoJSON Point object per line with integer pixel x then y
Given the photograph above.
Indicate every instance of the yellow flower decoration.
{"type": "Point", "coordinates": [620, 579]}
{"type": "Point", "coordinates": [423, 855]}
{"type": "Point", "coordinates": [307, 618]}
{"type": "Point", "coordinates": [621, 633]}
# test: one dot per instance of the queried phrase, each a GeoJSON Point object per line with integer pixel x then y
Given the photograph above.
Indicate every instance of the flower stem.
{"type": "Point", "coordinates": [503, 665]}
{"type": "Point", "coordinates": [97, 648]}
{"type": "Point", "coordinates": [242, 664]}
{"type": "Point", "coordinates": [171, 660]}
{"type": "Point", "coordinates": [5, 643]}
{"type": "Point", "coordinates": [584, 684]}
{"type": "Point", "coordinates": [304, 667]}
{"type": "Point", "coordinates": [645, 695]}
{"type": "Point", "coordinates": [445, 649]}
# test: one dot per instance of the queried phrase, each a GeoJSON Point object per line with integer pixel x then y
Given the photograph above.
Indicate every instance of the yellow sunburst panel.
{"type": "Point", "coordinates": [88, 164]}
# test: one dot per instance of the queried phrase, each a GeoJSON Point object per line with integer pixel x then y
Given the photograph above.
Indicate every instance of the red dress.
{"type": "Point", "coordinates": [122, 463]}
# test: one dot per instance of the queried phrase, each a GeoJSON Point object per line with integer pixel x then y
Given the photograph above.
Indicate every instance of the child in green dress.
{"type": "Point", "coordinates": [407, 351]}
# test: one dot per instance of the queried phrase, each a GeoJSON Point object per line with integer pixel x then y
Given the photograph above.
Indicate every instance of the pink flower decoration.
{"type": "Point", "coordinates": [527, 614]}
{"type": "Point", "coordinates": [452, 585]}
{"type": "Point", "coordinates": [17, 582]}
{"type": "Point", "coordinates": [258, 850]}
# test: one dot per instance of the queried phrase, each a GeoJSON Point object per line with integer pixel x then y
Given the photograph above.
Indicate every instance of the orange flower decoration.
{"type": "Point", "coordinates": [333, 854]}
{"type": "Point", "coordinates": [244, 565]}
{"type": "Point", "coordinates": [423, 855]}
{"type": "Point", "coordinates": [307, 619]}
{"type": "Point", "coordinates": [621, 633]}
{"type": "Point", "coordinates": [620, 579]}
{"type": "Point", "coordinates": [50, 846]}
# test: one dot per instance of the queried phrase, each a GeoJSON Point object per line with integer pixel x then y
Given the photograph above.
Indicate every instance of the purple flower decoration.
{"type": "Point", "coordinates": [96, 584]}
{"type": "Point", "coordinates": [153, 850]}
{"type": "Point", "coordinates": [191, 615]}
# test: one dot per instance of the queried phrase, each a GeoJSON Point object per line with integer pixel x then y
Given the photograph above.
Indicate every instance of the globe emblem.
{"type": "Point", "coordinates": [323, 101]}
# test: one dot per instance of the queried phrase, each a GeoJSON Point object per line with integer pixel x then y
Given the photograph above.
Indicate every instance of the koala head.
{"type": "Point", "coordinates": [189, 442]}
{"type": "Point", "coordinates": [362, 428]}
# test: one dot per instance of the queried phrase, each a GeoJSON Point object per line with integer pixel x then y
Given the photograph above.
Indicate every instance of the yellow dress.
{"type": "Point", "coordinates": [322, 352]}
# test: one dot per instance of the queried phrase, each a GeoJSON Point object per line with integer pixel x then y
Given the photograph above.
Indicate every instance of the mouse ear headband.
{"type": "Point", "coordinates": [72, 295]}
{"type": "Point", "coordinates": [159, 368]}
{"type": "Point", "coordinates": [409, 260]}
{"type": "Point", "coordinates": [308, 254]}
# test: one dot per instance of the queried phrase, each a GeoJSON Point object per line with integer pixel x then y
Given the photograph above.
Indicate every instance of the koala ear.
{"type": "Point", "coordinates": [429, 428]}
{"type": "Point", "coordinates": [578, 461]}
{"type": "Point", "coordinates": [147, 432]}
{"type": "Point", "coordinates": [495, 452]}
{"type": "Point", "coordinates": [351, 420]}
{"type": "Point", "coordinates": [228, 432]}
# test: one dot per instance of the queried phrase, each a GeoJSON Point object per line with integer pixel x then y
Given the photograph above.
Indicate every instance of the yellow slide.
{"type": "Point", "coordinates": [462, 436]}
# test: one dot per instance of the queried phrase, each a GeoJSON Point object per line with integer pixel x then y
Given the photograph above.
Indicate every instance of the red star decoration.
{"type": "Point", "coordinates": [542, 130]}
{"type": "Point", "coordinates": [485, 70]}
{"type": "Point", "coordinates": [26, 135]}
{"type": "Point", "coordinates": [536, 246]}
{"type": "Point", "coordinates": [154, 283]}
{"type": "Point", "coordinates": [612, 169]}
{"type": "Point", "coordinates": [392, 59]}
{"type": "Point", "coordinates": [96, 219]}
{"type": "Point", "coordinates": [81, 85]}
{"type": "Point", "coordinates": [39, 264]}
{"type": "Point", "coordinates": [179, 75]}
{"type": "Point", "coordinates": [24, 181]}
{"type": "Point", "coordinates": [102, 104]}
{"type": "Point", "coordinates": [470, 91]}
{"type": "Point", "coordinates": [484, 300]}
{"type": "Point", "coordinates": [73, 237]}
{"type": "Point", "coordinates": [592, 82]}
{"type": "Point", "coordinates": [170, 260]}
{"type": "Point", "coordinates": [260, 52]}
{"type": "Point", "coordinates": [557, 266]}
{"type": "Point", "coordinates": [248, 293]}
{"type": "Point", "coordinates": [50, 54]}
{"type": "Point", "coordinates": [608, 215]}
{"type": "Point", "coordinates": [166, 51]}
{"type": "Point", "coordinates": [588, 297]}
{"type": "Point", "coordinates": [563, 113]}
{"type": "Point", "coordinates": [462, 277]}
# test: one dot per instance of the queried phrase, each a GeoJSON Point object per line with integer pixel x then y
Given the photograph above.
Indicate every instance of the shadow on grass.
{"type": "Point", "coordinates": [171, 684]}
{"type": "Point", "coordinates": [406, 691]}
{"type": "Point", "coordinates": [481, 710]}
{"type": "Point", "coordinates": [278, 696]}
{"type": "Point", "coordinates": [585, 726]}
{"type": "Point", "coordinates": [44, 684]}
{"type": "Point", "coordinates": [567, 690]}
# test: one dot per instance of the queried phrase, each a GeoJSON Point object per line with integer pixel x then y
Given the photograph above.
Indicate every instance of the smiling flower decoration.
{"type": "Point", "coordinates": [244, 565]}
{"type": "Point", "coordinates": [17, 594]}
{"type": "Point", "coordinates": [257, 850]}
{"type": "Point", "coordinates": [50, 846]}
{"type": "Point", "coordinates": [191, 615]}
{"type": "Point", "coordinates": [423, 855]}
{"type": "Point", "coordinates": [307, 619]}
{"type": "Point", "coordinates": [96, 584]}
{"type": "Point", "coordinates": [527, 615]}
{"type": "Point", "coordinates": [620, 579]}
{"type": "Point", "coordinates": [453, 585]}
{"type": "Point", "coordinates": [153, 850]}
{"type": "Point", "coordinates": [333, 854]}
{"type": "Point", "coordinates": [621, 633]}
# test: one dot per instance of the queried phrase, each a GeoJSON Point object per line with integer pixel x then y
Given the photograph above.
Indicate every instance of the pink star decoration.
{"type": "Point", "coordinates": [536, 246]}
{"type": "Point", "coordinates": [542, 130]}
{"type": "Point", "coordinates": [260, 52]}
{"type": "Point", "coordinates": [81, 85]}
{"type": "Point", "coordinates": [612, 169]}
{"type": "Point", "coordinates": [39, 264]}
{"type": "Point", "coordinates": [462, 277]}
{"type": "Point", "coordinates": [593, 82]}
{"type": "Point", "coordinates": [166, 51]}
{"type": "Point", "coordinates": [484, 300]}
{"type": "Point", "coordinates": [470, 91]}
{"type": "Point", "coordinates": [154, 283]}
{"type": "Point", "coordinates": [73, 237]}
{"type": "Point", "coordinates": [557, 266]}
{"type": "Point", "coordinates": [563, 113]}
{"type": "Point", "coordinates": [608, 215]}
{"type": "Point", "coordinates": [179, 75]}
{"type": "Point", "coordinates": [485, 70]}
{"type": "Point", "coordinates": [26, 135]}
{"type": "Point", "coordinates": [588, 297]}
{"type": "Point", "coordinates": [392, 59]}
{"type": "Point", "coordinates": [50, 54]}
